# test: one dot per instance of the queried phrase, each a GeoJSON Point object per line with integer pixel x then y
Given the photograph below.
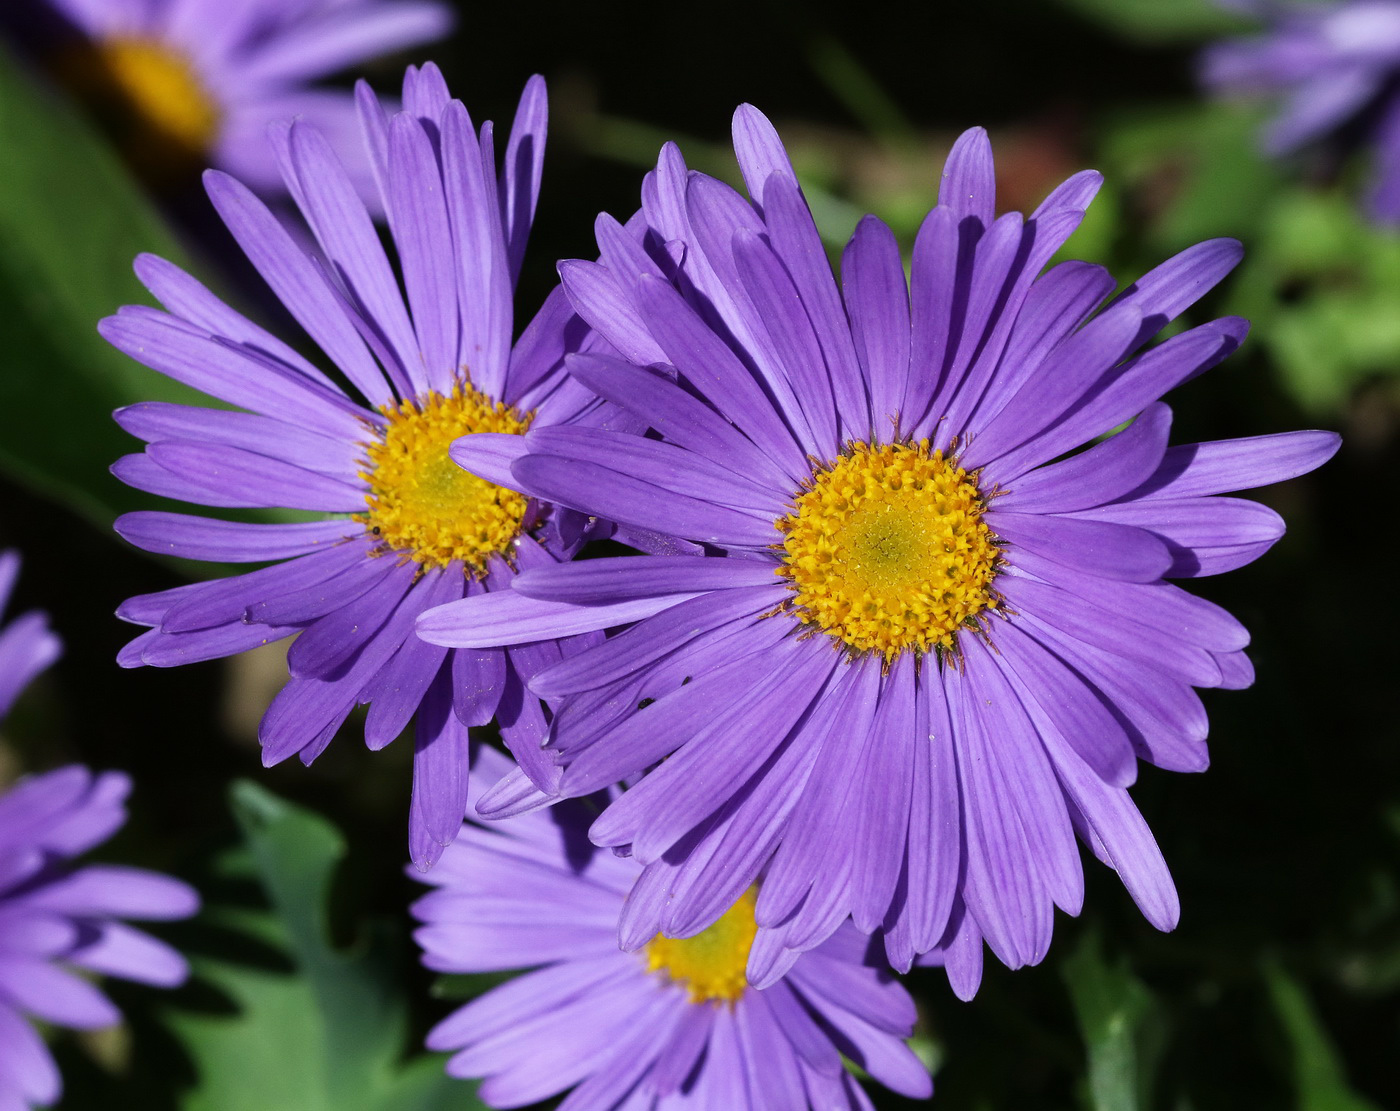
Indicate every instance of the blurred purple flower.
{"type": "Point", "coordinates": [914, 649]}
{"type": "Point", "coordinates": [184, 84]}
{"type": "Point", "coordinates": [399, 527]}
{"type": "Point", "coordinates": [1335, 68]}
{"type": "Point", "coordinates": [670, 1028]}
{"type": "Point", "coordinates": [55, 917]}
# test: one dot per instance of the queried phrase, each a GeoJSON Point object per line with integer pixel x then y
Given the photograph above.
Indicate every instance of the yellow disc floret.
{"type": "Point", "coordinates": [711, 964]}
{"type": "Point", "coordinates": [149, 97]}
{"type": "Point", "coordinates": [886, 550]}
{"type": "Point", "coordinates": [425, 506]}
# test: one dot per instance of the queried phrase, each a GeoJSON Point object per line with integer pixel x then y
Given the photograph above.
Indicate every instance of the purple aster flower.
{"type": "Point", "coordinates": [55, 918]}
{"type": "Point", "coordinates": [399, 528]}
{"type": "Point", "coordinates": [1336, 70]}
{"type": "Point", "coordinates": [921, 646]}
{"type": "Point", "coordinates": [183, 84]}
{"type": "Point", "coordinates": [673, 1026]}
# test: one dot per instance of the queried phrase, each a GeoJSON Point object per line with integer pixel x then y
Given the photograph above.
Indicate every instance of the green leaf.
{"type": "Point", "coordinates": [71, 222]}
{"type": "Point", "coordinates": [1318, 1079]}
{"type": "Point", "coordinates": [329, 1036]}
{"type": "Point", "coordinates": [1122, 1027]}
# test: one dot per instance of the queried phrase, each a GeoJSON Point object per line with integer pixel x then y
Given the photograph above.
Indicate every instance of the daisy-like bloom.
{"type": "Point", "coordinates": [55, 917]}
{"type": "Point", "coordinates": [183, 84]}
{"type": "Point", "coordinates": [400, 527]}
{"type": "Point", "coordinates": [920, 648]}
{"type": "Point", "coordinates": [672, 1026]}
{"type": "Point", "coordinates": [1335, 68]}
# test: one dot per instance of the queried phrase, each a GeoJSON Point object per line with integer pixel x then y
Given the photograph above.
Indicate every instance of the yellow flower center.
{"type": "Point", "coordinates": [711, 964]}
{"type": "Point", "coordinates": [887, 550]}
{"type": "Point", "coordinates": [423, 504]}
{"type": "Point", "coordinates": [149, 98]}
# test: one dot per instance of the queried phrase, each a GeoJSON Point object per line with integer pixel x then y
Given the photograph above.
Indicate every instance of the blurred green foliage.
{"type": "Point", "coordinates": [1122, 1025]}
{"type": "Point", "coordinates": [71, 222]}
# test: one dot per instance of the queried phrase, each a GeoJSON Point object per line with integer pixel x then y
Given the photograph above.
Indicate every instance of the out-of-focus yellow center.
{"type": "Point", "coordinates": [886, 550]}
{"type": "Point", "coordinates": [149, 97]}
{"type": "Point", "coordinates": [711, 964]}
{"type": "Point", "coordinates": [423, 504]}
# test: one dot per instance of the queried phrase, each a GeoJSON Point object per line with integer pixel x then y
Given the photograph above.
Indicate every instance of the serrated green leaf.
{"type": "Point", "coordinates": [331, 1034]}
{"type": "Point", "coordinates": [1121, 1024]}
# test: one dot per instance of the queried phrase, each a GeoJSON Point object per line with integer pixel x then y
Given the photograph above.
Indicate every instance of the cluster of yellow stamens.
{"type": "Point", "coordinates": [420, 502]}
{"type": "Point", "coordinates": [887, 550]}
{"type": "Point", "coordinates": [149, 98]}
{"type": "Point", "coordinates": [711, 964]}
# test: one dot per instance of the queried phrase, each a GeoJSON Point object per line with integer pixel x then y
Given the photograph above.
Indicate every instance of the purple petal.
{"type": "Point", "coordinates": [707, 362]}
{"type": "Point", "coordinates": [663, 465]}
{"type": "Point", "coordinates": [1166, 291]}
{"type": "Point", "coordinates": [1104, 472]}
{"type": "Point", "coordinates": [523, 169]}
{"type": "Point", "coordinates": [633, 649]}
{"type": "Point", "coordinates": [49, 993]}
{"type": "Point", "coordinates": [1222, 466]}
{"type": "Point", "coordinates": [1164, 607]}
{"type": "Point", "coordinates": [25, 1064]}
{"type": "Point", "coordinates": [675, 717]}
{"type": "Point", "coordinates": [877, 299]}
{"type": "Point", "coordinates": [795, 349]}
{"type": "Point", "coordinates": [183, 296]}
{"type": "Point", "coordinates": [679, 416]}
{"type": "Point", "coordinates": [1121, 837]}
{"type": "Point", "coordinates": [504, 617]}
{"type": "Point", "coordinates": [598, 298]}
{"type": "Point", "coordinates": [156, 421]}
{"type": "Point", "coordinates": [342, 225]}
{"type": "Point", "coordinates": [331, 641]}
{"type": "Point", "coordinates": [344, 37]}
{"type": "Point", "coordinates": [1123, 636]}
{"type": "Point", "coordinates": [297, 283]}
{"type": "Point", "coordinates": [1118, 551]}
{"type": "Point", "coordinates": [110, 890]}
{"type": "Point", "coordinates": [759, 150]}
{"type": "Point", "coordinates": [132, 955]}
{"type": "Point", "coordinates": [230, 477]}
{"type": "Point", "coordinates": [1122, 394]}
{"type": "Point", "coordinates": [418, 215]}
{"type": "Point", "coordinates": [623, 498]}
{"type": "Point", "coordinates": [604, 581]}
{"type": "Point", "coordinates": [1205, 535]}
{"type": "Point", "coordinates": [234, 374]}
{"type": "Point", "coordinates": [441, 759]}
{"type": "Point", "coordinates": [968, 186]}
{"type": "Point", "coordinates": [798, 244]}
{"type": "Point", "coordinates": [483, 272]}
{"type": "Point", "coordinates": [1068, 706]}
{"type": "Point", "coordinates": [228, 541]}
